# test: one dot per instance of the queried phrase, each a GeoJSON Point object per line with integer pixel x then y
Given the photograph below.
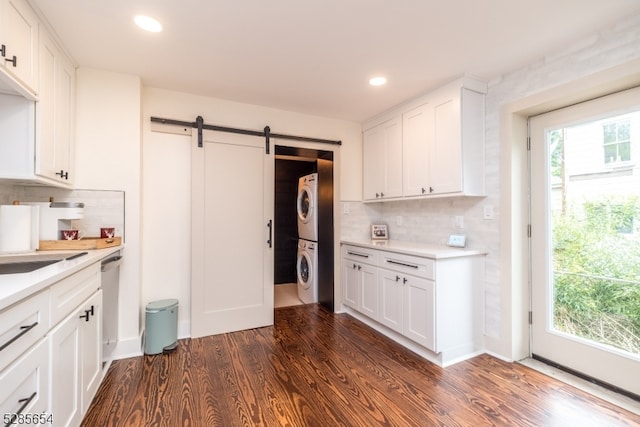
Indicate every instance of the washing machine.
{"type": "Point", "coordinates": [307, 205]}
{"type": "Point", "coordinates": [307, 271]}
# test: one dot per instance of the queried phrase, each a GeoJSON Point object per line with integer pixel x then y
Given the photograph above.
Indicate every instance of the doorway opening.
{"type": "Point", "coordinates": [291, 163]}
{"type": "Point", "coordinates": [585, 240]}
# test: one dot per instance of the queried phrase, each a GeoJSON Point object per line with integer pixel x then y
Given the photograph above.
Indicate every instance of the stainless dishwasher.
{"type": "Point", "coordinates": [110, 278]}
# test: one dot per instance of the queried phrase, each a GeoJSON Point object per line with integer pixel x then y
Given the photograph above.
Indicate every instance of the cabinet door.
{"type": "Point", "coordinates": [419, 311]}
{"type": "Point", "coordinates": [55, 113]}
{"type": "Point", "coordinates": [65, 345]}
{"type": "Point", "coordinates": [350, 277]}
{"type": "Point", "coordinates": [391, 300]}
{"type": "Point", "coordinates": [373, 164]}
{"type": "Point", "coordinates": [393, 159]}
{"type": "Point", "coordinates": [417, 138]}
{"type": "Point", "coordinates": [19, 35]}
{"type": "Point", "coordinates": [91, 351]}
{"type": "Point", "coordinates": [368, 280]}
{"type": "Point", "coordinates": [445, 159]}
{"type": "Point", "coordinates": [382, 161]}
{"type": "Point", "coordinates": [25, 385]}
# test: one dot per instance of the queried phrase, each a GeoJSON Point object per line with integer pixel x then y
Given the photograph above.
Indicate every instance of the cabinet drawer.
{"type": "Point", "coordinates": [417, 266]}
{"type": "Point", "coordinates": [21, 325]}
{"type": "Point", "coordinates": [25, 384]}
{"type": "Point", "coordinates": [361, 255]}
{"type": "Point", "coordinates": [69, 293]}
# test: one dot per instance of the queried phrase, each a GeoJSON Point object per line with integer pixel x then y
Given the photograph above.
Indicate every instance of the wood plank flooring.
{"type": "Point", "coordinates": [315, 368]}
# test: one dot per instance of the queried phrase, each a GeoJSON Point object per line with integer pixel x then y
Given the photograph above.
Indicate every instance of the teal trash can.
{"type": "Point", "coordinates": [161, 326]}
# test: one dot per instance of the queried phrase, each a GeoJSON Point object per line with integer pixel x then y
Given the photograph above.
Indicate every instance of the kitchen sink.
{"type": "Point", "coordinates": [29, 263]}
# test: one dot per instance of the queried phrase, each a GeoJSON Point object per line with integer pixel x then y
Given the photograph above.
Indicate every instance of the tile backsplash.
{"type": "Point", "coordinates": [103, 208]}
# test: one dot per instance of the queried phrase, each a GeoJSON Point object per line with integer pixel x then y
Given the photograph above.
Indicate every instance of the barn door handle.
{"type": "Point", "coordinates": [270, 225]}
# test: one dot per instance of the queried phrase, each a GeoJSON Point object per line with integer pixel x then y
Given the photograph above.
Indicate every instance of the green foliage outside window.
{"type": "Point", "coordinates": [596, 257]}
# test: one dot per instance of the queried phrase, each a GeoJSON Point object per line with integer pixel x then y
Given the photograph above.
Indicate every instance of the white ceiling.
{"type": "Point", "coordinates": [316, 57]}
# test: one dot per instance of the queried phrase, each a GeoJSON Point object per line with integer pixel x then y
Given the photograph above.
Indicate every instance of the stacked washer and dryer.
{"type": "Point", "coordinates": [307, 259]}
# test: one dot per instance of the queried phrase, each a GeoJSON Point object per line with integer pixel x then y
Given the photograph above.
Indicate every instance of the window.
{"type": "Point", "coordinates": [617, 141]}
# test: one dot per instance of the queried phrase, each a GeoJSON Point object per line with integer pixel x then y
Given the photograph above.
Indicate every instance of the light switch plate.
{"type": "Point", "coordinates": [457, 240]}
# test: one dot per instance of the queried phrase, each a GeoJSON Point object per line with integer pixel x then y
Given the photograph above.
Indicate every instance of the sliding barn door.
{"type": "Point", "coordinates": [232, 255]}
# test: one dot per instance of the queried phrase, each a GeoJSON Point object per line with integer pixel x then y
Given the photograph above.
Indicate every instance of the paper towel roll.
{"type": "Point", "coordinates": [16, 225]}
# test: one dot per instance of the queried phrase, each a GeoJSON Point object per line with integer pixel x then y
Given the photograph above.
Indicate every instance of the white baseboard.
{"type": "Point", "coordinates": [130, 347]}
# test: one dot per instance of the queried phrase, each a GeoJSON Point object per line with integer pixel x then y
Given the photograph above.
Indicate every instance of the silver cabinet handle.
{"type": "Point", "coordinates": [358, 254]}
{"type": "Point", "coordinates": [25, 403]}
{"type": "Point", "coordinates": [24, 330]}
{"type": "Point", "coordinates": [390, 261]}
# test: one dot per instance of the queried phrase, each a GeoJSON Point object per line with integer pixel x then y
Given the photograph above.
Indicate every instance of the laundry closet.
{"type": "Point", "coordinates": [303, 232]}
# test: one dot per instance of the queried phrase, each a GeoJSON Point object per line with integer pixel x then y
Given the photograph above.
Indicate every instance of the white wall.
{"type": "Point", "coordinates": [166, 229]}
{"type": "Point", "coordinates": [108, 157]}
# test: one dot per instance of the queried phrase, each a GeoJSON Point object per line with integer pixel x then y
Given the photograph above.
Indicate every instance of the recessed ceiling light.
{"type": "Point", "coordinates": [377, 81]}
{"type": "Point", "coordinates": [147, 23]}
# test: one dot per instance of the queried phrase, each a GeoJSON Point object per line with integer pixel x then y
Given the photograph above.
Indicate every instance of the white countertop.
{"type": "Point", "coordinates": [426, 250]}
{"type": "Point", "coordinates": [14, 287]}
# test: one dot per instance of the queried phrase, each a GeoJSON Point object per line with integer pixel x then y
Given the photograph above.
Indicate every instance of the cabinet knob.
{"type": "Point", "coordinates": [431, 190]}
{"type": "Point", "coordinates": [85, 316]}
{"type": "Point", "coordinates": [381, 194]}
{"type": "Point", "coordinates": [63, 174]}
{"type": "Point", "coordinates": [397, 278]}
{"type": "Point", "coordinates": [404, 280]}
{"type": "Point", "coordinates": [354, 266]}
{"type": "Point", "coordinates": [377, 195]}
{"type": "Point", "coordinates": [3, 50]}
{"type": "Point", "coordinates": [359, 267]}
{"type": "Point", "coordinates": [423, 190]}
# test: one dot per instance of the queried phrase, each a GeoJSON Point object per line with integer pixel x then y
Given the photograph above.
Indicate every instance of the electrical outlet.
{"type": "Point", "coordinates": [459, 222]}
{"type": "Point", "coordinates": [488, 212]}
{"type": "Point", "coordinates": [345, 208]}
{"type": "Point", "coordinates": [399, 220]}
{"type": "Point", "coordinates": [457, 240]}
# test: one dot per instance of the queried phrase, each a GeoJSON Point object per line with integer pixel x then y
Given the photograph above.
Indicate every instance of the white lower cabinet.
{"type": "Point", "coordinates": [361, 281]}
{"type": "Point", "coordinates": [435, 303]}
{"type": "Point", "coordinates": [75, 349]}
{"type": "Point", "coordinates": [419, 307]}
{"type": "Point", "coordinates": [25, 388]}
{"type": "Point", "coordinates": [391, 300]}
{"type": "Point", "coordinates": [51, 352]}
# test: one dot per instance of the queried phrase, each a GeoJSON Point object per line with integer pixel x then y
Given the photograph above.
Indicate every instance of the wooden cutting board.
{"type": "Point", "coordinates": [85, 243]}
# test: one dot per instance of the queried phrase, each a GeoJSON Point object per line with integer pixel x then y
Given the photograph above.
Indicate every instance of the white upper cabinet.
{"type": "Point", "coordinates": [442, 144]}
{"type": "Point", "coordinates": [382, 154]}
{"type": "Point", "coordinates": [55, 112]}
{"type": "Point", "coordinates": [18, 47]}
{"type": "Point", "coordinates": [38, 131]}
{"type": "Point", "coordinates": [417, 126]}
{"type": "Point", "coordinates": [456, 161]}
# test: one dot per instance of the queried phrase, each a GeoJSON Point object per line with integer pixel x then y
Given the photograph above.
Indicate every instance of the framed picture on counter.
{"type": "Point", "coordinates": [379, 232]}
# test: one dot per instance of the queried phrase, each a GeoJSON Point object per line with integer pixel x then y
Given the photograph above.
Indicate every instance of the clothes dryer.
{"type": "Point", "coordinates": [307, 271]}
{"type": "Point", "coordinates": [307, 207]}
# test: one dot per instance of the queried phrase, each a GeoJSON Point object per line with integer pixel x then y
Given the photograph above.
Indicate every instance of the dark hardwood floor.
{"type": "Point", "coordinates": [314, 368]}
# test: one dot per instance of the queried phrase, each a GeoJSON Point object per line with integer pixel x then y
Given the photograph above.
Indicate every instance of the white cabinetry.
{"type": "Point", "coordinates": [51, 350]}
{"type": "Point", "coordinates": [76, 344]}
{"type": "Point", "coordinates": [37, 130]}
{"type": "Point", "coordinates": [361, 280]}
{"type": "Point", "coordinates": [456, 153]}
{"type": "Point", "coordinates": [24, 365]}
{"type": "Point", "coordinates": [382, 155]}
{"type": "Point", "coordinates": [18, 47]}
{"type": "Point", "coordinates": [442, 144]}
{"type": "Point", "coordinates": [408, 296]}
{"type": "Point", "coordinates": [55, 113]}
{"type": "Point", "coordinates": [434, 302]}
{"type": "Point", "coordinates": [417, 138]}
{"type": "Point", "coordinates": [25, 387]}
{"type": "Point", "coordinates": [75, 359]}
